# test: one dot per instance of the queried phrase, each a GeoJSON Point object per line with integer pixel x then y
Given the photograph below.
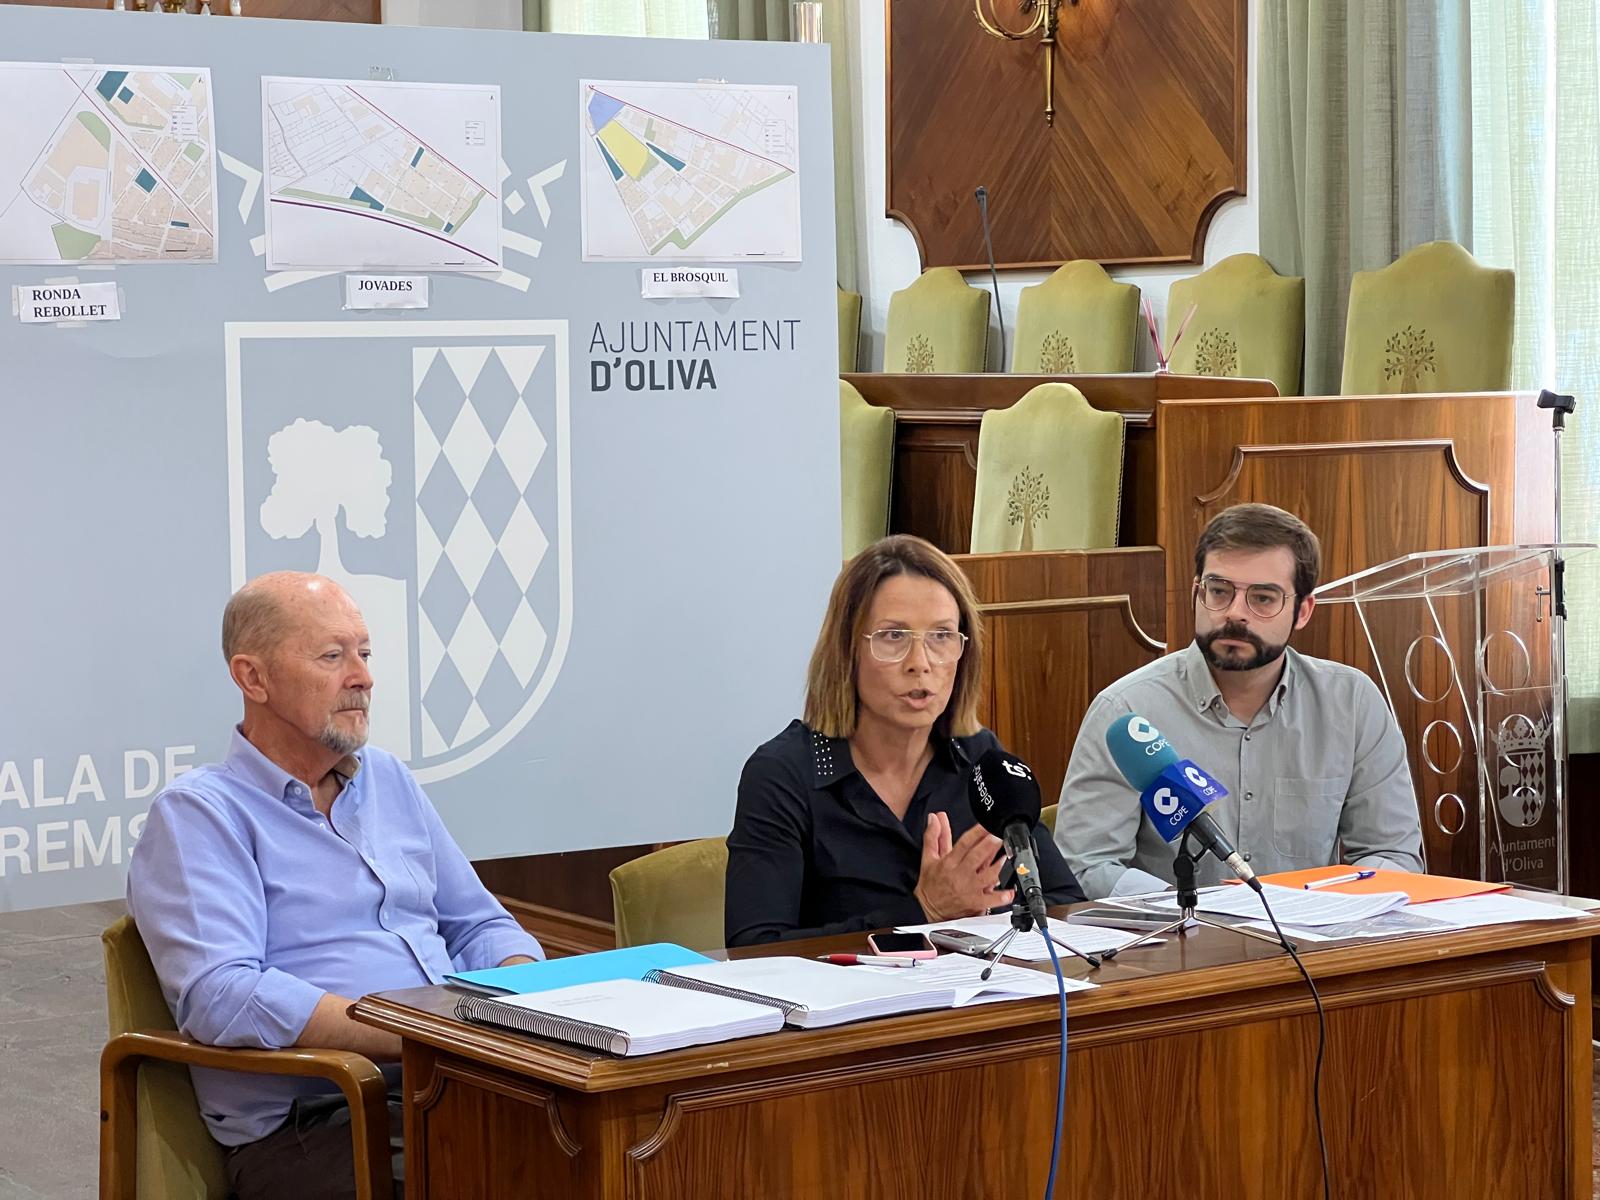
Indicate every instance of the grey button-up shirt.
{"type": "Point", "coordinates": [1318, 776]}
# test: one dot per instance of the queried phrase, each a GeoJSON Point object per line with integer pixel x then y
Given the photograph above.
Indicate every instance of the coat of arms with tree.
{"type": "Point", "coordinates": [1056, 356]}
{"type": "Point", "coordinates": [1216, 353]}
{"type": "Point", "coordinates": [1026, 503]}
{"type": "Point", "coordinates": [919, 355]}
{"type": "Point", "coordinates": [1408, 356]}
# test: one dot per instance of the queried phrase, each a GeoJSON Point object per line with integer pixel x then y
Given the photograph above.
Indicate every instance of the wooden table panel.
{"type": "Point", "coordinates": [1457, 1066]}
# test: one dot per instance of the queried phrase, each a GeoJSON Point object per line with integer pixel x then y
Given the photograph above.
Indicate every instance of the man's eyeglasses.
{"type": "Point", "coordinates": [1263, 599]}
{"type": "Point", "coordinates": [892, 645]}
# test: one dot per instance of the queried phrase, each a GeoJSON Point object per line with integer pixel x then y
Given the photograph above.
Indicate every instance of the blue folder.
{"type": "Point", "coordinates": [635, 962]}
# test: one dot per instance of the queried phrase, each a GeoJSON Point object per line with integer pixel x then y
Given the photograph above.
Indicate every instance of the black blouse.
{"type": "Point", "coordinates": [814, 851]}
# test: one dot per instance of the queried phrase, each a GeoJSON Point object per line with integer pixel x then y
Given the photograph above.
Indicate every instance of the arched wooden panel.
{"type": "Point", "coordinates": [1148, 137]}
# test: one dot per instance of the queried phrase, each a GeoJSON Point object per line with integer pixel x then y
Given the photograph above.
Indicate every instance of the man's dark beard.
{"type": "Point", "coordinates": [1265, 652]}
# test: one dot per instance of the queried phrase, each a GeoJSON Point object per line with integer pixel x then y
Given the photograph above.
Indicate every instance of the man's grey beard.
{"type": "Point", "coordinates": [1265, 652]}
{"type": "Point", "coordinates": [338, 740]}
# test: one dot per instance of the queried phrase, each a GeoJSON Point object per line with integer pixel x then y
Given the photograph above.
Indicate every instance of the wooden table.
{"type": "Point", "coordinates": [1457, 1066]}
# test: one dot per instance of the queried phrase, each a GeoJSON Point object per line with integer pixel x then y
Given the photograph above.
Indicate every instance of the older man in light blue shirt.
{"type": "Point", "coordinates": [302, 871]}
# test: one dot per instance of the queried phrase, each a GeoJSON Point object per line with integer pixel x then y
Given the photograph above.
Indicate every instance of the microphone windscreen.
{"type": "Point", "coordinates": [1139, 750]}
{"type": "Point", "coordinates": [1002, 790]}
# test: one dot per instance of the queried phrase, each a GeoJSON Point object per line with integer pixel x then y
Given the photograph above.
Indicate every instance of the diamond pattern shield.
{"type": "Point", "coordinates": [426, 470]}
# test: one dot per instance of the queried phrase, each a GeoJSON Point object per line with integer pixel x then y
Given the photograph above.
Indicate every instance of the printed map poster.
{"type": "Point", "coordinates": [700, 172]}
{"type": "Point", "coordinates": [395, 175]}
{"type": "Point", "coordinates": [102, 164]}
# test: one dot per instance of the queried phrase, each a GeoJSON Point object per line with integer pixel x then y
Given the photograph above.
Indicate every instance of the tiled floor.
{"type": "Point", "coordinates": [52, 1025]}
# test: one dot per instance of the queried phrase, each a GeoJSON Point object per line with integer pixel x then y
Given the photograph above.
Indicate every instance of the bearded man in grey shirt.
{"type": "Point", "coordinates": [1314, 764]}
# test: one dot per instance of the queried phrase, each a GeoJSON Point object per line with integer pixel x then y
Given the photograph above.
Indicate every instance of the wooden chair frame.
{"type": "Point", "coordinates": [359, 1078]}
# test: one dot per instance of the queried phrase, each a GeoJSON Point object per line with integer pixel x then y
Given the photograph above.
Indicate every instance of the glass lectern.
{"type": "Point", "coordinates": [1470, 653]}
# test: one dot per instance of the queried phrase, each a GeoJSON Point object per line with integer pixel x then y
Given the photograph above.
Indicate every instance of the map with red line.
{"type": "Point", "coordinates": [368, 174]}
{"type": "Point", "coordinates": [106, 164]}
{"type": "Point", "coordinates": [703, 172]}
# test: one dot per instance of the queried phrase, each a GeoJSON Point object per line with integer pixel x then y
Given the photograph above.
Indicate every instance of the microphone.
{"type": "Point", "coordinates": [1005, 800]}
{"type": "Point", "coordinates": [1172, 791]}
{"type": "Point", "coordinates": [982, 193]}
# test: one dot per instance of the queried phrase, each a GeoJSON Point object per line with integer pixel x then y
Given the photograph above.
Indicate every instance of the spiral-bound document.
{"type": "Point", "coordinates": [811, 994]}
{"type": "Point", "coordinates": [624, 1016]}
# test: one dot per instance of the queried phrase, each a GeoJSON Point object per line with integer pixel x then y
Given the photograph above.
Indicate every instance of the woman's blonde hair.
{"type": "Point", "coordinates": [832, 704]}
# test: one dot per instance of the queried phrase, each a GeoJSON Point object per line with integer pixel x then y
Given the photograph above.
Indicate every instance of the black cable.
{"type": "Point", "coordinates": [1322, 1042]}
{"type": "Point", "coordinates": [983, 207]}
{"type": "Point", "coordinates": [1061, 1073]}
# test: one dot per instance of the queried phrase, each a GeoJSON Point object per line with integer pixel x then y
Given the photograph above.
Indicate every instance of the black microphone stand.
{"type": "Point", "coordinates": [1183, 867]}
{"type": "Point", "coordinates": [1022, 922]}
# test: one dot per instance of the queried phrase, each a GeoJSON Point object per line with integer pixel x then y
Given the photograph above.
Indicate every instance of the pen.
{"type": "Point", "coordinates": [866, 960]}
{"type": "Point", "coordinates": [1331, 880]}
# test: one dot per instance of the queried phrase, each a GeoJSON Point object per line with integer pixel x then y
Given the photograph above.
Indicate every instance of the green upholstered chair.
{"type": "Point", "coordinates": [1249, 322]}
{"type": "Point", "coordinates": [1431, 321]}
{"type": "Point", "coordinates": [1078, 321]}
{"type": "Point", "coordinates": [153, 1143]}
{"type": "Point", "coordinates": [1049, 474]}
{"type": "Point", "coordinates": [866, 466]}
{"type": "Point", "coordinates": [849, 329]}
{"type": "Point", "coordinates": [672, 895]}
{"type": "Point", "coordinates": [1047, 817]}
{"type": "Point", "coordinates": [937, 324]}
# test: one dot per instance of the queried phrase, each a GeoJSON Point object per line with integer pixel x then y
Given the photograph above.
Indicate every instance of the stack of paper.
{"type": "Point", "coordinates": [625, 1016]}
{"type": "Point", "coordinates": [811, 994]}
{"type": "Point", "coordinates": [1292, 906]}
{"type": "Point", "coordinates": [1029, 947]}
{"type": "Point", "coordinates": [1005, 982]}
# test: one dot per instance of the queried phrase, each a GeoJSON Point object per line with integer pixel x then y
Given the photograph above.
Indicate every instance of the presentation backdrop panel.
{"type": "Point", "coordinates": [592, 533]}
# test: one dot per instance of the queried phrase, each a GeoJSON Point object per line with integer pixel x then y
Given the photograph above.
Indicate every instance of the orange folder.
{"type": "Point", "coordinates": [1420, 888]}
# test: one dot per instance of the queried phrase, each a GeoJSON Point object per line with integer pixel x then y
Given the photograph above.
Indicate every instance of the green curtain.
{"type": "Point", "coordinates": [1536, 158]}
{"type": "Point", "coordinates": [1366, 146]}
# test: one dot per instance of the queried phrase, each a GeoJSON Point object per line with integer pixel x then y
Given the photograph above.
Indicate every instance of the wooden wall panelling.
{"type": "Point", "coordinates": [1148, 139]}
{"type": "Point", "coordinates": [1376, 478]}
{"type": "Point", "coordinates": [1048, 660]}
{"type": "Point", "coordinates": [1134, 571]}
{"type": "Point", "coordinates": [936, 441]}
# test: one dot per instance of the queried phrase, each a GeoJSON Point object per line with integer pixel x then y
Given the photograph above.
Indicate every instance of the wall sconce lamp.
{"type": "Point", "coordinates": [1043, 20]}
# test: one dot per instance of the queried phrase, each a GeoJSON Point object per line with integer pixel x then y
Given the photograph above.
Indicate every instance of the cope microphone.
{"type": "Point", "coordinates": [1172, 791]}
{"type": "Point", "coordinates": [1005, 800]}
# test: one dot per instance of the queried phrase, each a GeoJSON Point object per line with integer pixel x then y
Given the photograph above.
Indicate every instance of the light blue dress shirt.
{"type": "Point", "coordinates": [253, 906]}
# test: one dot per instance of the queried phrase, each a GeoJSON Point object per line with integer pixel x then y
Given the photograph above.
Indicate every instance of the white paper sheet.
{"type": "Point", "coordinates": [1292, 906]}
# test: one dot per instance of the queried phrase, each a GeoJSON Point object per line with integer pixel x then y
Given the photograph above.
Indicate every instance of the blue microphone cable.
{"type": "Point", "coordinates": [1061, 1074]}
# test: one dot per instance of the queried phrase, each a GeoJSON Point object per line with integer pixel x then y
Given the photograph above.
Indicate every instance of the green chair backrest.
{"type": "Point", "coordinates": [849, 329]}
{"type": "Point", "coordinates": [1249, 322]}
{"type": "Point", "coordinates": [866, 467]}
{"type": "Point", "coordinates": [178, 1159]}
{"type": "Point", "coordinates": [672, 895]}
{"type": "Point", "coordinates": [1431, 321]}
{"type": "Point", "coordinates": [1047, 816]}
{"type": "Point", "coordinates": [1049, 474]}
{"type": "Point", "coordinates": [1078, 321]}
{"type": "Point", "coordinates": [938, 324]}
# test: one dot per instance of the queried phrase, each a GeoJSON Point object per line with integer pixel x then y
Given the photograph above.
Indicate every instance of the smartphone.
{"type": "Point", "coordinates": [960, 940]}
{"type": "Point", "coordinates": [1120, 918]}
{"type": "Point", "coordinates": [901, 945]}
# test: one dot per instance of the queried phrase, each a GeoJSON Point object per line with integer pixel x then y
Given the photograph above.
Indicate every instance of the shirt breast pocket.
{"type": "Point", "coordinates": [1305, 819]}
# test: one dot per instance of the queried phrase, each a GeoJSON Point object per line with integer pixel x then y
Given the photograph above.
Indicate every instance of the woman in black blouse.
{"type": "Point", "coordinates": [856, 817]}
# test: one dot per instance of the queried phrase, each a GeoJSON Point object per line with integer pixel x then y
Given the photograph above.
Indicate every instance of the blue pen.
{"type": "Point", "coordinates": [1332, 880]}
